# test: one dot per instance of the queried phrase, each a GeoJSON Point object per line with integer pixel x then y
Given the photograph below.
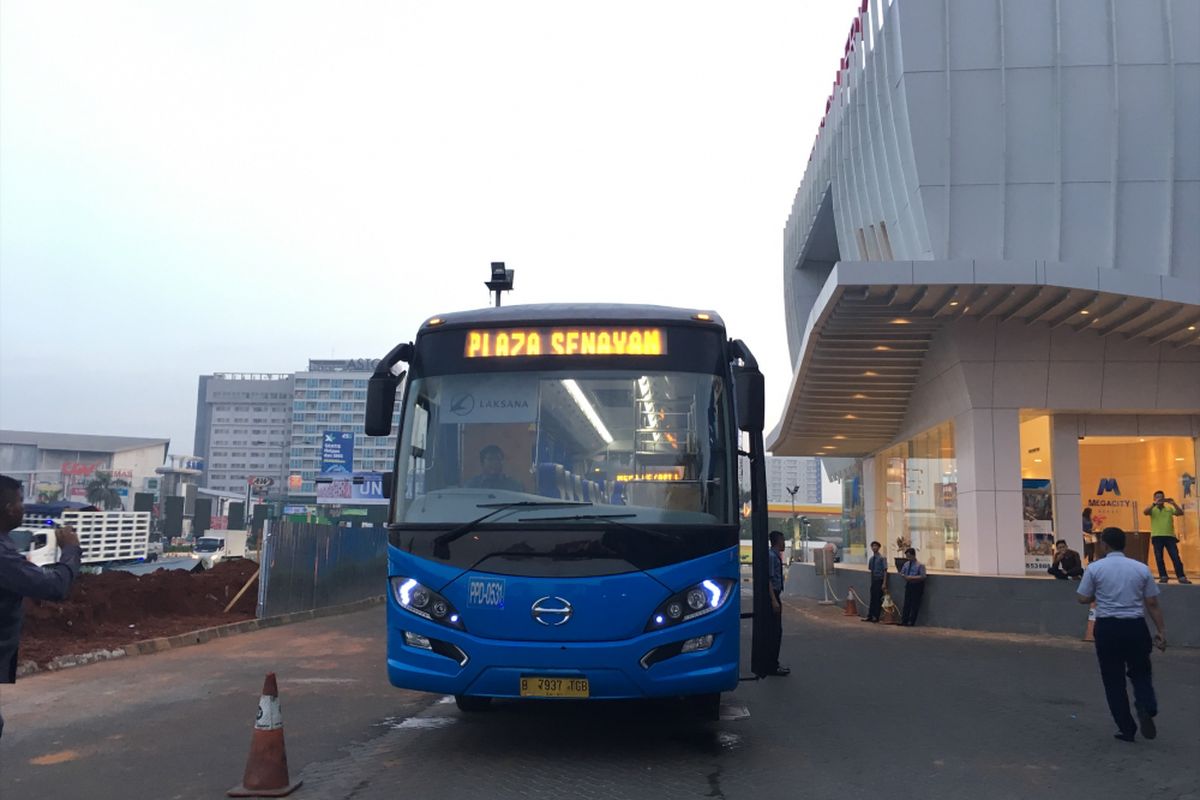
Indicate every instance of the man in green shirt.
{"type": "Point", "coordinates": [1162, 513]}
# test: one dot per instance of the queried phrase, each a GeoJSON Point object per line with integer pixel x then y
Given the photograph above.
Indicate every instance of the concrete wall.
{"type": "Point", "coordinates": [1003, 605]}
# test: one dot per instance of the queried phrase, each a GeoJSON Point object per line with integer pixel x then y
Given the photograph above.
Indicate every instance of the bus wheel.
{"type": "Point", "coordinates": [469, 703]}
{"type": "Point", "coordinates": [707, 707]}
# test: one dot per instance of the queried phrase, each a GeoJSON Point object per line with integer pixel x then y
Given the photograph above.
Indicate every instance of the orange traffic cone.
{"type": "Point", "coordinates": [1089, 634]}
{"type": "Point", "coordinates": [266, 767]}
{"type": "Point", "coordinates": [851, 604]}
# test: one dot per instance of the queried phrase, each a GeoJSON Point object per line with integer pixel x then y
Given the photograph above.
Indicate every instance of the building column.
{"type": "Point", "coordinates": [1065, 488]}
{"type": "Point", "coordinates": [871, 517]}
{"type": "Point", "coordinates": [991, 532]}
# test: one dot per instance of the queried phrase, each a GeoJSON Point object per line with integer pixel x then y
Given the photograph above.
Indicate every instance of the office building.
{"type": "Point", "coordinates": [243, 429]}
{"type": "Point", "coordinates": [791, 472]}
{"type": "Point", "coordinates": [331, 396]}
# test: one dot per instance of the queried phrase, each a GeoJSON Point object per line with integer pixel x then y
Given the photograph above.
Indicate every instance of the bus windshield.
{"type": "Point", "coordinates": [570, 446]}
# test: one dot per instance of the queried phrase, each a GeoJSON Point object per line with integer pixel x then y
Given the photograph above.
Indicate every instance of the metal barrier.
{"type": "Point", "coordinates": [307, 566]}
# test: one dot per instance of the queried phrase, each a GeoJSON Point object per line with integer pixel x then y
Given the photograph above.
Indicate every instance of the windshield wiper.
{"type": "Point", "coordinates": [441, 543]}
{"type": "Point", "coordinates": [613, 519]}
{"type": "Point", "coordinates": [574, 517]}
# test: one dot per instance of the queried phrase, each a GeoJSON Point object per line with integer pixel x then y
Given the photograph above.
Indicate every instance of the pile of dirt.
{"type": "Point", "coordinates": [117, 608]}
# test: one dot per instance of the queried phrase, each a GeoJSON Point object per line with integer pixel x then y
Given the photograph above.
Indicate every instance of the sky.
{"type": "Point", "coordinates": [189, 188]}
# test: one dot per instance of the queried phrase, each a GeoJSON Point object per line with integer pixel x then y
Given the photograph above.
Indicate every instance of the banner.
{"type": "Point", "coordinates": [360, 489]}
{"type": "Point", "coordinates": [337, 453]}
{"type": "Point", "coordinates": [491, 398]}
{"type": "Point", "coordinates": [1039, 525]}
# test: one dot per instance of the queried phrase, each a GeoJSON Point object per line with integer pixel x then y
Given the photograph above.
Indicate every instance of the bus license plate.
{"type": "Point", "coordinates": [554, 687]}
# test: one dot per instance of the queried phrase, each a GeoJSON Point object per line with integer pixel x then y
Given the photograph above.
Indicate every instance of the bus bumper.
{"type": "Point", "coordinates": [614, 670]}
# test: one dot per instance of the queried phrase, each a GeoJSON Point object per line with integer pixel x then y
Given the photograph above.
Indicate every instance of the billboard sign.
{"type": "Point", "coordinates": [337, 453]}
{"type": "Point", "coordinates": [359, 489]}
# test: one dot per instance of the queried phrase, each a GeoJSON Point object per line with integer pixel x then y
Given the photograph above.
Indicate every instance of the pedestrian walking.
{"type": "Point", "coordinates": [776, 588]}
{"type": "Point", "coordinates": [20, 579]}
{"type": "Point", "coordinates": [1089, 538]}
{"type": "Point", "coordinates": [877, 566]}
{"type": "Point", "coordinates": [1162, 535]}
{"type": "Point", "coordinates": [913, 573]}
{"type": "Point", "coordinates": [1124, 592]}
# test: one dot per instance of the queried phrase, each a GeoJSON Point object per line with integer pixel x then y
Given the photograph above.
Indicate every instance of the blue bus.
{"type": "Point", "coordinates": [565, 505]}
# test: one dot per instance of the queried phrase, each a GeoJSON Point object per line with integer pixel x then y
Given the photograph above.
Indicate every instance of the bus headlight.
{"type": "Point", "coordinates": [424, 602]}
{"type": "Point", "coordinates": [693, 602]}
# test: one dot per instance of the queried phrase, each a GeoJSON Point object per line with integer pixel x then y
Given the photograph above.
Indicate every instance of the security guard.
{"type": "Point", "coordinates": [1124, 591]}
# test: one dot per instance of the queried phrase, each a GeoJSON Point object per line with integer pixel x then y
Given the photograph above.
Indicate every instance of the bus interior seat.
{"type": "Point", "coordinates": [549, 480]}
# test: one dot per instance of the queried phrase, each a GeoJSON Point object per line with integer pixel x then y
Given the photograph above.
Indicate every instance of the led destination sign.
{"type": "Point", "coordinates": [515, 342]}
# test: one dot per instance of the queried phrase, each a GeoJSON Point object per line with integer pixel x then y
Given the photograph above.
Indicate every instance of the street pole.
{"type": "Point", "coordinates": [792, 490]}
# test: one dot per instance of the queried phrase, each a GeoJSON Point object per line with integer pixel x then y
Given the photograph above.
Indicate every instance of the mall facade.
{"type": "Point", "coordinates": [992, 278]}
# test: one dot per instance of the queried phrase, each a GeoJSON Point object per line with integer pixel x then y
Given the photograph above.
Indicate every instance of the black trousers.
{"type": "Point", "coordinates": [776, 631]}
{"type": "Point", "coordinates": [1089, 551]}
{"type": "Point", "coordinates": [912, 602]}
{"type": "Point", "coordinates": [1123, 648]}
{"type": "Point", "coordinates": [1171, 545]}
{"type": "Point", "coordinates": [876, 606]}
{"type": "Point", "coordinates": [1058, 572]}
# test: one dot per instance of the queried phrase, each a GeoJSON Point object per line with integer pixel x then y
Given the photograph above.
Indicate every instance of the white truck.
{"type": "Point", "coordinates": [215, 546]}
{"type": "Point", "coordinates": [105, 536]}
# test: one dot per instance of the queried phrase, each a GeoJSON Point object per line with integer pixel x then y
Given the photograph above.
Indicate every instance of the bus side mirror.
{"type": "Point", "coordinates": [381, 403]}
{"type": "Point", "coordinates": [749, 399]}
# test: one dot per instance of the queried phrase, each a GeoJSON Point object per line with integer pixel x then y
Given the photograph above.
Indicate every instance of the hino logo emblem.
{"type": "Point", "coordinates": [551, 610]}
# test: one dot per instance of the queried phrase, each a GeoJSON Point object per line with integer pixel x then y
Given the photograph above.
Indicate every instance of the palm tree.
{"type": "Point", "coordinates": [102, 490]}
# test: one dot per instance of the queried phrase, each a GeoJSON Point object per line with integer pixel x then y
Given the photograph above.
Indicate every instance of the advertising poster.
{"type": "Point", "coordinates": [491, 398]}
{"type": "Point", "coordinates": [360, 489]}
{"type": "Point", "coordinates": [1039, 525]}
{"type": "Point", "coordinates": [337, 453]}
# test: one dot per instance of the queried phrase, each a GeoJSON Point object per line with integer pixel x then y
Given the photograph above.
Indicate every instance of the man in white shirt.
{"type": "Point", "coordinates": [1124, 592]}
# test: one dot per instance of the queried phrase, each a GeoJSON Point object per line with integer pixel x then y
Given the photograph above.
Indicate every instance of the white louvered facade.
{"type": "Point", "coordinates": [1001, 209]}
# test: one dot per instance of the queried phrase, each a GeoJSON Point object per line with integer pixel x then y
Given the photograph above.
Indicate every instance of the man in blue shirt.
{"type": "Point", "coordinates": [1124, 591]}
{"type": "Point", "coordinates": [775, 563]}
{"type": "Point", "coordinates": [20, 579]}
{"type": "Point", "coordinates": [877, 566]}
{"type": "Point", "coordinates": [913, 573]}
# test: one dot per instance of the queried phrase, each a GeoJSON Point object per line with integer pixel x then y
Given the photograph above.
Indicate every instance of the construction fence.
{"type": "Point", "coordinates": [306, 566]}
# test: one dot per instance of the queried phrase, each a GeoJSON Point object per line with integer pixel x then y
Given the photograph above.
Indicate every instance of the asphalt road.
{"type": "Point", "coordinates": [869, 710]}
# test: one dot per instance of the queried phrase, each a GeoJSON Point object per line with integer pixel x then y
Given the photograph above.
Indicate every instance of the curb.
{"type": "Point", "coordinates": [161, 644]}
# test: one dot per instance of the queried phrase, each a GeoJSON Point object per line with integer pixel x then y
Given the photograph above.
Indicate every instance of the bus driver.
{"type": "Point", "coordinates": [491, 472]}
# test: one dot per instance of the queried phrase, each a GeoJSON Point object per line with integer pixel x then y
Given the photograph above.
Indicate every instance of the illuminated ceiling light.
{"type": "Point", "coordinates": [585, 406]}
{"type": "Point", "coordinates": [871, 373]}
{"type": "Point", "coordinates": [1141, 440]}
{"type": "Point", "coordinates": [1191, 327]}
{"type": "Point", "coordinates": [839, 436]}
{"type": "Point", "coordinates": [1179, 458]}
{"type": "Point", "coordinates": [1037, 461]}
{"type": "Point", "coordinates": [1085, 312]}
{"type": "Point", "coordinates": [828, 447]}
{"type": "Point", "coordinates": [966, 309]}
{"type": "Point", "coordinates": [861, 397]}
{"type": "Point", "coordinates": [850, 416]}
{"type": "Point", "coordinates": [899, 321]}
{"type": "Point", "coordinates": [882, 347]}
{"type": "Point", "coordinates": [953, 302]}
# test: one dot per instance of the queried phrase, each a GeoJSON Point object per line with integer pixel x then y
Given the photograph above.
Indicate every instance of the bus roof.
{"type": "Point", "coordinates": [573, 313]}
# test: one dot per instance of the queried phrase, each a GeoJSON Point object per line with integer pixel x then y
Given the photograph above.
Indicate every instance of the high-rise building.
{"type": "Point", "coordinates": [243, 426]}
{"type": "Point", "coordinates": [786, 472]}
{"type": "Point", "coordinates": [332, 396]}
